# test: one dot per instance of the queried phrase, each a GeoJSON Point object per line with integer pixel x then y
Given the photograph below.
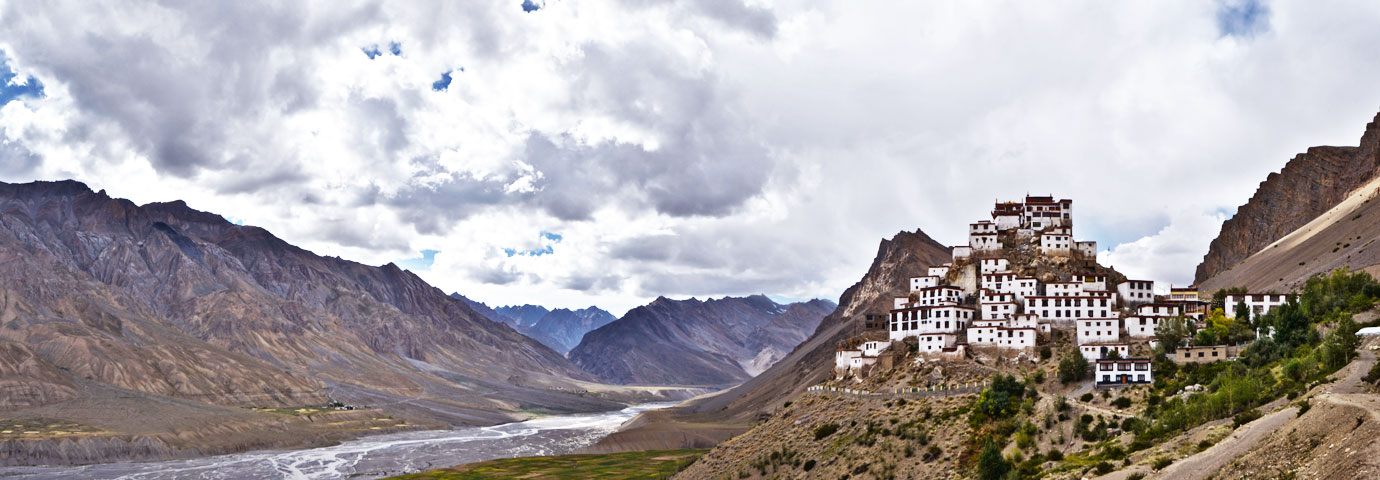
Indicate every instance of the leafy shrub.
{"type": "Point", "coordinates": [825, 430]}
{"type": "Point", "coordinates": [1121, 402]}
{"type": "Point", "coordinates": [1045, 352]}
{"type": "Point", "coordinates": [1136, 476]}
{"type": "Point", "coordinates": [1087, 397]}
{"type": "Point", "coordinates": [809, 465]}
{"type": "Point", "coordinates": [1103, 468]}
{"type": "Point", "coordinates": [932, 453]}
{"type": "Point", "coordinates": [1245, 417]}
{"type": "Point", "coordinates": [1054, 455]}
{"type": "Point", "coordinates": [990, 464]}
{"type": "Point", "coordinates": [1160, 462]}
{"type": "Point", "coordinates": [1304, 405]}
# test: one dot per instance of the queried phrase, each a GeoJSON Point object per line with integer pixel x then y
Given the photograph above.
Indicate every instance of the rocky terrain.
{"type": "Point", "coordinates": [1310, 184]}
{"type": "Point", "coordinates": [101, 298]}
{"type": "Point", "coordinates": [697, 342]}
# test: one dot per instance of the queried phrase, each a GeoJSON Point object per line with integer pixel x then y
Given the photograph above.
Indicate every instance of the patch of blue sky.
{"type": "Point", "coordinates": [421, 264]}
{"type": "Point", "coordinates": [532, 5]}
{"type": "Point", "coordinates": [11, 88]}
{"type": "Point", "coordinates": [1242, 18]}
{"type": "Point", "coordinates": [442, 84]}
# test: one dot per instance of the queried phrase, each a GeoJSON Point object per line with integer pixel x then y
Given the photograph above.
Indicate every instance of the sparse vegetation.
{"type": "Point", "coordinates": [615, 466]}
{"type": "Point", "coordinates": [825, 430]}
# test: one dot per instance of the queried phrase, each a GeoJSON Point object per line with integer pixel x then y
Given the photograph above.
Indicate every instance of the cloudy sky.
{"type": "Point", "coordinates": [606, 152]}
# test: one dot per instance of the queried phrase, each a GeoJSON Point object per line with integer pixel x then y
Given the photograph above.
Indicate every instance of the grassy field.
{"type": "Point", "coordinates": [653, 464]}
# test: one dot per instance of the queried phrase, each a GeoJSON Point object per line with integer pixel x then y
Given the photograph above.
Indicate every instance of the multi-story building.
{"type": "Point", "coordinates": [917, 283]}
{"type": "Point", "coordinates": [939, 270]}
{"type": "Point", "coordinates": [914, 321]}
{"type": "Point", "coordinates": [1044, 212]}
{"type": "Point", "coordinates": [941, 295]}
{"type": "Point", "coordinates": [1098, 330]}
{"type": "Point", "coordinates": [1098, 351]}
{"type": "Point", "coordinates": [1130, 371]}
{"type": "Point", "coordinates": [994, 265]}
{"type": "Point", "coordinates": [1136, 292]}
{"type": "Point", "coordinates": [1092, 283]}
{"type": "Point", "coordinates": [1055, 243]}
{"type": "Point", "coordinates": [1070, 308]}
{"type": "Point", "coordinates": [1259, 303]}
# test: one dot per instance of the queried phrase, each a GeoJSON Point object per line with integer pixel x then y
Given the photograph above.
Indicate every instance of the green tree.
{"type": "Point", "coordinates": [1072, 368]}
{"type": "Point", "coordinates": [1172, 332]}
{"type": "Point", "coordinates": [991, 465]}
{"type": "Point", "coordinates": [1243, 313]}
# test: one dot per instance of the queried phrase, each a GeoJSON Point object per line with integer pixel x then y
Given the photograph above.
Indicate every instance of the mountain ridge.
{"type": "Point", "coordinates": [696, 342]}
{"type": "Point", "coordinates": [1307, 186]}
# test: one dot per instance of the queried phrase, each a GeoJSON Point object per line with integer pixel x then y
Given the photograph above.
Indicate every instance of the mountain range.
{"type": "Point", "coordinates": [697, 342]}
{"type": "Point", "coordinates": [103, 302]}
{"type": "Point", "coordinates": [561, 329]}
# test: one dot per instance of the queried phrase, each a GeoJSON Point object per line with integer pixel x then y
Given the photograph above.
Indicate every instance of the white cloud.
{"type": "Point", "coordinates": [683, 148]}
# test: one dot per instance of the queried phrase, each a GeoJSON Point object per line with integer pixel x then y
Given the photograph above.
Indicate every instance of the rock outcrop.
{"type": "Point", "coordinates": [1309, 185]}
{"type": "Point", "coordinates": [695, 342]}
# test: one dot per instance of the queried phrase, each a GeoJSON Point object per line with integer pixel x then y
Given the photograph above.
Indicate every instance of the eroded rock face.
{"type": "Point", "coordinates": [1310, 184]}
{"type": "Point", "coordinates": [695, 342]}
{"type": "Point", "coordinates": [167, 300]}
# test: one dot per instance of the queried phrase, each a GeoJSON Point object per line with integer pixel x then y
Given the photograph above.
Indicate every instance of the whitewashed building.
{"type": "Point", "coordinates": [1143, 326]}
{"type": "Point", "coordinates": [1132, 371]}
{"type": "Point", "coordinates": [992, 296]}
{"type": "Point", "coordinates": [984, 242]}
{"type": "Point", "coordinates": [998, 310]}
{"type": "Point", "coordinates": [900, 302]}
{"type": "Point", "coordinates": [1159, 309]}
{"type": "Point", "coordinates": [941, 295]}
{"type": "Point", "coordinates": [1044, 212]}
{"type": "Point", "coordinates": [1024, 320]}
{"type": "Point", "coordinates": [994, 265]}
{"type": "Point", "coordinates": [917, 283]}
{"type": "Point", "coordinates": [843, 359]}
{"type": "Point", "coordinates": [1070, 308]}
{"type": "Point", "coordinates": [872, 349]}
{"type": "Point", "coordinates": [1087, 248]}
{"type": "Point", "coordinates": [1092, 283]}
{"type": "Point", "coordinates": [1136, 292]}
{"type": "Point", "coordinates": [1008, 215]}
{"type": "Point", "coordinates": [936, 342]}
{"type": "Point", "coordinates": [1055, 243]}
{"type": "Point", "coordinates": [1259, 303]}
{"type": "Point", "coordinates": [962, 252]}
{"type": "Point", "coordinates": [1098, 330]}
{"type": "Point", "coordinates": [939, 270]}
{"type": "Point", "coordinates": [1064, 289]}
{"type": "Point", "coordinates": [914, 321]}
{"type": "Point", "coordinates": [1098, 351]}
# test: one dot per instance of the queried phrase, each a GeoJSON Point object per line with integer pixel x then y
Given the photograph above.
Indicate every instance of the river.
{"type": "Point", "coordinates": [370, 457]}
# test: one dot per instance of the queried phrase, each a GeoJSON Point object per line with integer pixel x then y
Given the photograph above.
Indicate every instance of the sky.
{"type": "Point", "coordinates": [606, 152]}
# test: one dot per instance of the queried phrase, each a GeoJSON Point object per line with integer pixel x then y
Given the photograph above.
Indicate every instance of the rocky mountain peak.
{"type": "Point", "coordinates": [1310, 184]}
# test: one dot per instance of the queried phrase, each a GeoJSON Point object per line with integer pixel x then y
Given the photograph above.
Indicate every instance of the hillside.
{"type": "Point", "coordinates": [703, 422]}
{"type": "Point", "coordinates": [104, 301]}
{"type": "Point", "coordinates": [695, 342]}
{"type": "Point", "coordinates": [1309, 185]}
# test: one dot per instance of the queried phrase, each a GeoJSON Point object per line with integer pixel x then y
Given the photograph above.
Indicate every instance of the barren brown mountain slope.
{"type": "Point", "coordinates": [1343, 236]}
{"type": "Point", "coordinates": [1311, 184]}
{"type": "Point", "coordinates": [101, 298]}
{"type": "Point", "coordinates": [700, 423]}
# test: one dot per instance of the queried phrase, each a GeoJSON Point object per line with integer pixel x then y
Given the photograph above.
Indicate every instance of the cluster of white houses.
{"type": "Point", "coordinates": [1001, 309]}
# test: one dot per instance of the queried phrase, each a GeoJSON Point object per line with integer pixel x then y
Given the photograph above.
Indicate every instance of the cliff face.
{"type": "Point", "coordinates": [1309, 185]}
{"type": "Point", "coordinates": [165, 300]}
{"type": "Point", "coordinates": [694, 342]}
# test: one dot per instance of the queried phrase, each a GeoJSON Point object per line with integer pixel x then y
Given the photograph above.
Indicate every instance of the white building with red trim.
{"type": "Point", "coordinates": [1258, 303]}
